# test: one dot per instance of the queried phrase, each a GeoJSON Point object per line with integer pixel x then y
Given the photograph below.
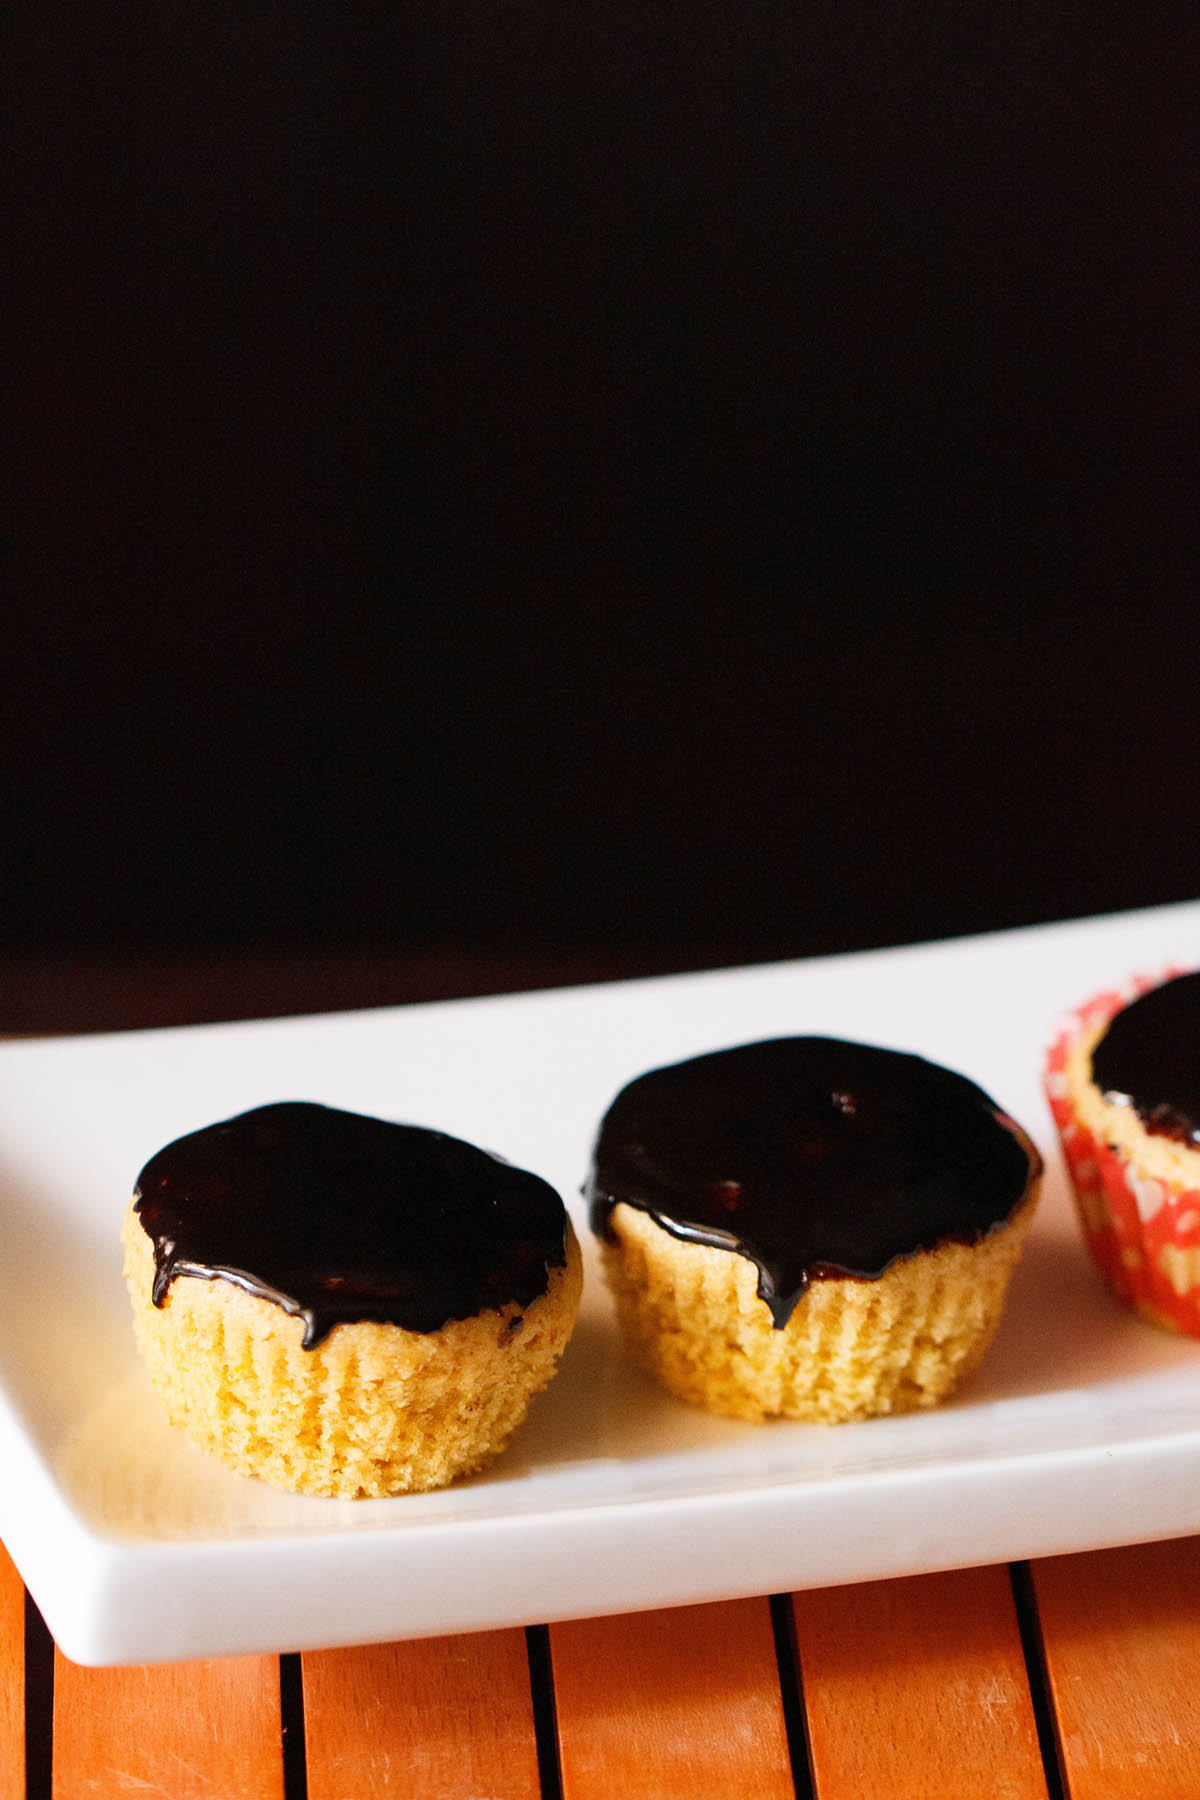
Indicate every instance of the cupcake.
{"type": "Point", "coordinates": [346, 1306]}
{"type": "Point", "coordinates": [1123, 1080]}
{"type": "Point", "coordinates": [809, 1228]}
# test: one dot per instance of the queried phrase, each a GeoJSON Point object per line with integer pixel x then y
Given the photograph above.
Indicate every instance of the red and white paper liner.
{"type": "Point", "coordinates": [1143, 1231]}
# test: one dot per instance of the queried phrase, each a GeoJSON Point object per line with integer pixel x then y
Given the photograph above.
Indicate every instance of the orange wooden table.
{"type": "Point", "coordinates": [1077, 1676]}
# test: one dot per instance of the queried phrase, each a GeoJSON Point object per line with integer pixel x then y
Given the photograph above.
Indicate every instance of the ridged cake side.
{"type": "Point", "coordinates": [852, 1348]}
{"type": "Point", "coordinates": [372, 1410]}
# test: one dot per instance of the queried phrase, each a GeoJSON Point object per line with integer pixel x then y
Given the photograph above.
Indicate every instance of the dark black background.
{"type": "Point", "coordinates": [520, 473]}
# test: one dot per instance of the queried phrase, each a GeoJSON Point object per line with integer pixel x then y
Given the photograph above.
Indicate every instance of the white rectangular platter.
{"type": "Point", "coordinates": [1082, 1428]}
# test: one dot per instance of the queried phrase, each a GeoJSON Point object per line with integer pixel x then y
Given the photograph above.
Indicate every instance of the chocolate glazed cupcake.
{"type": "Point", "coordinates": [346, 1306]}
{"type": "Point", "coordinates": [809, 1228]}
{"type": "Point", "coordinates": [1123, 1080]}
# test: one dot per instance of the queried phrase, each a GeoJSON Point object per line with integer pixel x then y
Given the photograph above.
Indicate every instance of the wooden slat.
{"type": "Point", "coordinates": [193, 1731]}
{"type": "Point", "coordinates": [628, 1719]}
{"type": "Point", "coordinates": [443, 1719]}
{"type": "Point", "coordinates": [917, 1687]}
{"type": "Point", "coordinates": [12, 1683]}
{"type": "Point", "coordinates": [1121, 1638]}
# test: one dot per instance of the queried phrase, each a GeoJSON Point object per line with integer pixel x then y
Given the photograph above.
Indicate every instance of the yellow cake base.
{"type": "Point", "coordinates": [371, 1410]}
{"type": "Point", "coordinates": [692, 1317]}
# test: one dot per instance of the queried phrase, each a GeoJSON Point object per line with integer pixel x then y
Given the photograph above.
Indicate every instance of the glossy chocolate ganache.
{"type": "Point", "coordinates": [1149, 1058]}
{"type": "Point", "coordinates": [337, 1218]}
{"type": "Point", "coordinates": [812, 1157]}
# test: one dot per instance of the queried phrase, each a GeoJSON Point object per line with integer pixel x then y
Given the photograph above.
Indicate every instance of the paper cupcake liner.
{"type": "Point", "coordinates": [372, 1410]}
{"type": "Point", "coordinates": [1143, 1231]}
{"type": "Point", "coordinates": [691, 1316]}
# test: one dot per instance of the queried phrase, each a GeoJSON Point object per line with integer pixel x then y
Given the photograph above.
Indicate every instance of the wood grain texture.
{"type": "Point", "coordinates": [628, 1722]}
{"type": "Point", "coordinates": [442, 1719]}
{"type": "Point", "coordinates": [916, 1689]}
{"type": "Point", "coordinates": [1121, 1638]}
{"type": "Point", "coordinates": [182, 1731]}
{"type": "Point", "coordinates": [12, 1683]}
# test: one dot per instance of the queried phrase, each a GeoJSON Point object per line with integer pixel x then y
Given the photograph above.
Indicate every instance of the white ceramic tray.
{"type": "Point", "coordinates": [1082, 1428]}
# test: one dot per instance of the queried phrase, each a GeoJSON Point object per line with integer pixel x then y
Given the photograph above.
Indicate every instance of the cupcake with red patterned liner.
{"type": "Point", "coordinates": [1123, 1080]}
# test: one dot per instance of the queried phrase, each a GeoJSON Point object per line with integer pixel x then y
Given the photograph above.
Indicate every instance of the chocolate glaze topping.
{"type": "Point", "coordinates": [812, 1157]}
{"type": "Point", "coordinates": [1149, 1058]}
{"type": "Point", "coordinates": [337, 1217]}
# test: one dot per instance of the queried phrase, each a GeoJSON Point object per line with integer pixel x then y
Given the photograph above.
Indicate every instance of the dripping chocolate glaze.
{"type": "Point", "coordinates": [338, 1217]}
{"type": "Point", "coordinates": [1149, 1058]}
{"type": "Point", "coordinates": [811, 1156]}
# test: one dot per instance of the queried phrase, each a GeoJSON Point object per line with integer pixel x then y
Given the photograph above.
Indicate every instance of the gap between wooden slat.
{"type": "Point", "coordinates": [191, 1730]}
{"type": "Point", "coordinates": [440, 1719]}
{"type": "Point", "coordinates": [682, 1704]}
{"type": "Point", "coordinates": [916, 1688]}
{"type": "Point", "coordinates": [1039, 1682]}
{"type": "Point", "coordinates": [12, 1682]}
{"type": "Point", "coordinates": [1121, 1639]}
{"type": "Point", "coordinates": [39, 1703]}
{"type": "Point", "coordinates": [791, 1693]}
{"type": "Point", "coordinates": [545, 1711]}
{"type": "Point", "coordinates": [291, 1714]}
